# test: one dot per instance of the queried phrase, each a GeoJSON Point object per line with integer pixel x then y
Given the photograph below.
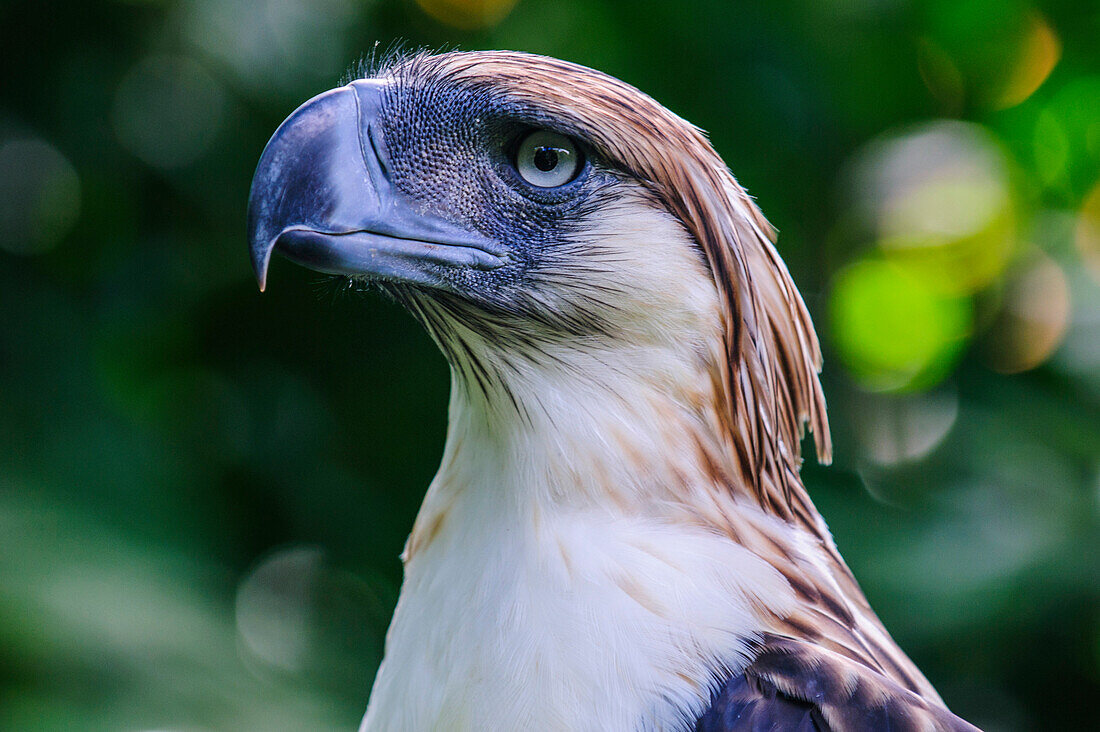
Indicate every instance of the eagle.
{"type": "Point", "coordinates": [617, 537]}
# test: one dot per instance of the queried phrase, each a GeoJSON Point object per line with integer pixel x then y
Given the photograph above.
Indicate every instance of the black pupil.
{"type": "Point", "coordinates": [546, 158]}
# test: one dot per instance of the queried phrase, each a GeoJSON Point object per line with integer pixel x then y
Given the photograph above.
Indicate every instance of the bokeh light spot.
{"type": "Point", "coordinates": [1040, 50]}
{"type": "Point", "coordinates": [39, 196]}
{"type": "Point", "coordinates": [1087, 235]}
{"type": "Point", "coordinates": [468, 14]}
{"type": "Point", "coordinates": [274, 607]}
{"type": "Point", "coordinates": [1033, 319]}
{"type": "Point", "coordinates": [940, 74]}
{"type": "Point", "coordinates": [1067, 135]}
{"type": "Point", "coordinates": [893, 330]}
{"type": "Point", "coordinates": [167, 111]}
{"type": "Point", "coordinates": [298, 614]}
{"type": "Point", "coordinates": [937, 199]}
{"type": "Point", "coordinates": [894, 429]}
{"type": "Point", "coordinates": [1051, 148]}
{"type": "Point", "coordinates": [284, 45]}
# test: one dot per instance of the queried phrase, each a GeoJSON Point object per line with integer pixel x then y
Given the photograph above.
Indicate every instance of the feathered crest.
{"type": "Point", "coordinates": [770, 384]}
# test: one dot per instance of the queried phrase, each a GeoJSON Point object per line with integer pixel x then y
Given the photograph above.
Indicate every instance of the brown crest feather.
{"type": "Point", "coordinates": [770, 383]}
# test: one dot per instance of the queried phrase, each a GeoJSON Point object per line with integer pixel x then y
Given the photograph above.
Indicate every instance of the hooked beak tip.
{"type": "Point", "coordinates": [260, 266]}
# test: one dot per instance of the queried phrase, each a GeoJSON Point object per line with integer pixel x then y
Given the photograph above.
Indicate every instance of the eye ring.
{"type": "Point", "coordinates": [546, 159]}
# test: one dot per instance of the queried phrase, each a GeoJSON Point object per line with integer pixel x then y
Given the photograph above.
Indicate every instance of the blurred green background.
{"type": "Point", "coordinates": [203, 491]}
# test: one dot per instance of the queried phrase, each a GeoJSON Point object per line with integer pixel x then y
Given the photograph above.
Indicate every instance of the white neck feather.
{"type": "Point", "coordinates": [561, 574]}
{"type": "Point", "coordinates": [552, 581]}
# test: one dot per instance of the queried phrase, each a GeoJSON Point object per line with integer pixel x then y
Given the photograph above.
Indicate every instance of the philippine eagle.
{"type": "Point", "coordinates": [618, 537]}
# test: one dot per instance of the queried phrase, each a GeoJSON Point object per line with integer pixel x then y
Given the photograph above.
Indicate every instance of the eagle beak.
{"type": "Point", "coordinates": [323, 197]}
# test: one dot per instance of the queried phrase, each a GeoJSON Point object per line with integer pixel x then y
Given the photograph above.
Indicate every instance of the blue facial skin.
{"type": "Point", "coordinates": [322, 197]}
{"type": "Point", "coordinates": [413, 186]}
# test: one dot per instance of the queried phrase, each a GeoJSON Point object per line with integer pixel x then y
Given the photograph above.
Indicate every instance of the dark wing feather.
{"type": "Point", "coordinates": [747, 702]}
{"type": "Point", "coordinates": [793, 685]}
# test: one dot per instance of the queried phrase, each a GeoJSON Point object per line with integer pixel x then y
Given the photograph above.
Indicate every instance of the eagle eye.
{"type": "Point", "coordinates": [547, 160]}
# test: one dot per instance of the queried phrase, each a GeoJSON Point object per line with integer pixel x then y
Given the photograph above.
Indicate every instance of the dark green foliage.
{"type": "Point", "coordinates": [203, 491]}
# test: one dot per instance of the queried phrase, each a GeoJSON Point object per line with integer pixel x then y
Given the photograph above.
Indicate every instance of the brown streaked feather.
{"type": "Point", "coordinates": [770, 384]}
{"type": "Point", "coordinates": [832, 612]}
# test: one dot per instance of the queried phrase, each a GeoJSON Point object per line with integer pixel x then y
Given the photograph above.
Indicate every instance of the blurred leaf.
{"type": "Point", "coordinates": [893, 329]}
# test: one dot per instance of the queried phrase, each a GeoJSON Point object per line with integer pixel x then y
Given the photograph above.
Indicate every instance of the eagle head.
{"type": "Point", "coordinates": [527, 210]}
